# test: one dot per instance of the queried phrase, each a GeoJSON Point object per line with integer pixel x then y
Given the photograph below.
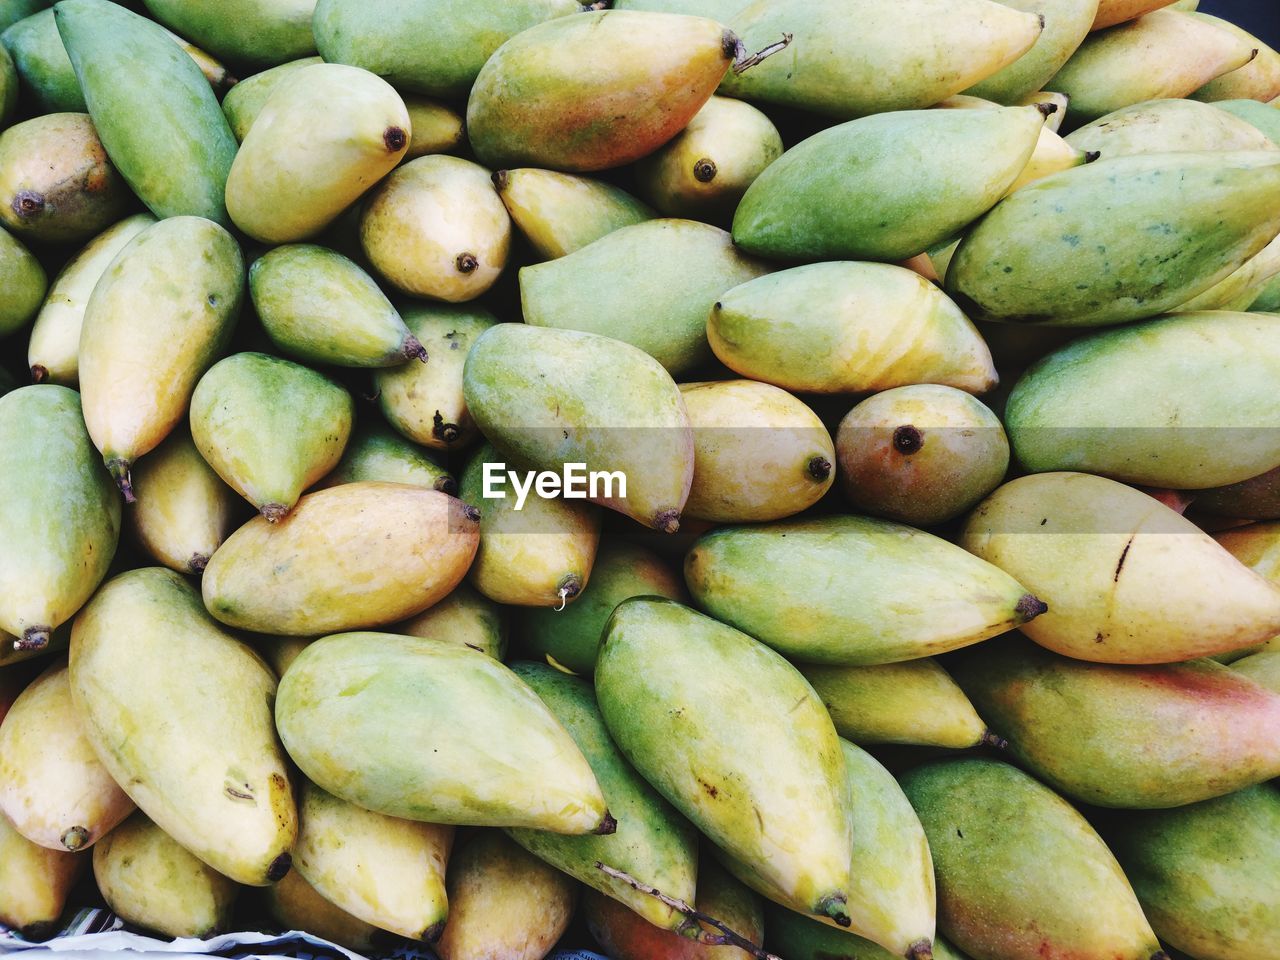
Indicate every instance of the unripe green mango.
{"type": "Point", "coordinates": [1238, 291]}
{"type": "Point", "coordinates": [258, 31]}
{"type": "Point", "coordinates": [327, 134]}
{"type": "Point", "coordinates": [569, 639]}
{"type": "Point", "coordinates": [465, 618]}
{"type": "Point", "coordinates": [34, 883]}
{"type": "Point", "coordinates": [321, 308]}
{"type": "Point", "coordinates": [353, 556]}
{"type": "Point", "coordinates": [245, 100]}
{"type": "Point", "coordinates": [1205, 874]}
{"type": "Point", "coordinates": [1117, 240]}
{"type": "Point", "coordinates": [560, 213]}
{"type": "Point", "coordinates": [848, 328]}
{"type": "Point", "coordinates": [1168, 126]}
{"type": "Point", "coordinates": [1066, 24]}
{"type": "Point", "coordinates": [798, 937]}
{"type": "Point", "coordinates": [1259, 79]}
{"type": "Point", "coordinates": [527, 386]}
{"type": "Point", "coordinates": [993, 830]}
{"type": "Point", "coordinates": [269, 427]}
{"type": "Point", "coordinates": [661, 309]}
{"type": "Point", "coordinates": [152, 107]}
{"type": "Point", "coordinates": [1262, 116]}
{"type": "Point", "coordinates": [430, 731]}
{"type": "Point", "coordinates": [376, 453]}
{"type": "Point", "coordinates": [22, 284]}
{"type": "Point", "coordinates": [773, 795]}
{"type": "Point", "coordinates": [1118, 736]}
{"type": "Point", "coordinates": [8, 87]}
{"type": "Point", "coordinates": [847, 60]}
{"type": "Point", "coordinates": [722, 10]}
{"type": "Point", "coordinates": [595, 91]}
{"type": "Point", "coordinates": [852, 590]}
{"type": "Point", "coordinates": [1263, 668]}
{"type": "Point", "coordinates": [1143, 403]}
{"type": "Point", "coordinates": [434, 47]}
{"type": "Point", "coordinates": [59, 519]}
{"type": "Point", "coordinates": [41, 60]}
{"type": "Point", "coordinates": [148, 879]}
{"type": "Point", "coordinates": [209, 771]}
{"type": "Point", "coordinates": [11, 11]}
{"type": "Point", "coordinates": [295, 904]}
{"type": "Point", "coordinates": [913, 702]}
{"type": "Point", "coordinates": [653, 843]}
{"type": "Point", "coordinates": [853, 192]}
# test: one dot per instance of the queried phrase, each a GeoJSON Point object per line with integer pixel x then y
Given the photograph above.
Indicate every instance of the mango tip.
{"type": "Point", "coordinates": [1091, 155]}
{"type": "Point", "coordinates": [273, 512]}
{"type": "Point", "coordinates": [1030, 607]}
{"type": "Point", "coordinates": [668, 521]}
{"type": "Point", "coordinates": [835, 908]}
{"type": "Point", "coordinates": [819, 468]}
{"type": "Point", "coordinates": [280, 867]}
{"type": "Point", "coordinates": [920, 950]}
{"type": "Point", "coordinates": [39, 373]}
{"type": "Point", "coordinates": [993, 740]}
{"type": "Point", "coordinates": [119, 470]}
{"type": "Point", "coordinates": [33, 638]}
{"type": "Point", "coordinates": [75, 838]}
{"type": "Point", "coordinates": [501, 179]}
{"type": "Point", "coordinates": [433, 932]}
{"type": "Point", "coordinates": [198, 562]}
{"type": "Point", "coordinates": [608, 826]}
{"type": "Point", "coordinates": [412, 349]}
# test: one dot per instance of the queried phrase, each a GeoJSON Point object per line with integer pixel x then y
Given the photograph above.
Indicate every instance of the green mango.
{"type": "Point", "coordinates": [436, 47]}
{"type": "Point", "coordinates": [1140, 737]}
{"type": "Point", "coordinates": [722, 10]}
{"type": "Point", "coordinates": [1117, 240]}
{"type": "Point", "coordinates": [424, 401]}
{"type": "Point", "coordinates": [257, 31]}
{"type": "Point", "coordinates": [205, 766]}
{"type": "Point", "coordinates": [43, 65]}
{"type": "Point", "coordinates": [435, 732]}
{"type": "Point", "coordinates": [319, 307]}
{"type": "Point", "coordinates": [376, 453]}
{"type": "Point", "coordinates": [798, 937]}
{"type": "Point", "coordinates": [850, 591]}
{"type": "Point", "coordinates": [22, 284]}
{"type": "Point", "coordinates": [595, 91]}
{"type": "Point", "coordinates": [846, 59]}
{"type": "Point", "coordinates": [1263, 668]}
{"type": "Point", "coordinates": [773, 795]}
{"type": "Point", "coordinates": [11, 11]}
{"type": "Point", "coordinates": [1066, 24]}
{"type": "Point", "coordinates": [245, 100]}
{"type": "Point", "coordinates": [270, 428]}
{"type": "Point", "coordinates": [1168, 126]}
{"type": "Point", "coordinates": [560, 213]}
{"type": "Point", "coordinates": [328, 133]}
{"type": "Point", "coordinates": [891, 896]}
{"type": "Point", "coordinates": [1144, 404]}
{"type": "Point", "coordinates": [34, 883]}
{"type": "Point", "coordinates": [8, 87]}
{"type": "Point", "coordinates": [59, 520]}
{"type": "Point", "coordinates": [1238, 291]}
{"type": "Point", "coordinates": [653, 843]}
{"type": "Point", "coordinates": [569, 639]}
{"type": "Point", "coordinates": [857, 191]}
{"type": "Point", "coordinates": [1268, 299]}
{"type": "Point", "coordinates": [465, 618]}
{"type": "Point", "coordinates": [1261, 116]}
{"type": "Point", "coordinates": [992, 831]}
{"type": "Point", "coordinates": [848, 328]}
{"type": "Point", "coordinates": [1205, 874]}
{"type": "Point", "coordinates": [154, 110]}
{"type": "Point", "coordinates": [53, 351]}
{"type": "Point", "coordinates": [149, 880]}
{"type": "Point", "coordinates": [528, 386]}
{"type": "Point", "coordinates": [913, 702]}
{"type": "Point", "coordinates": [661, 309]}
{"type": "Point", "coordinates": [1259, 79]}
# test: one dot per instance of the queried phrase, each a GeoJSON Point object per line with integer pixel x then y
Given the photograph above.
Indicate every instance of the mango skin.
{"type": "Point", "coordinates": [350, 703]}
{"type": "Point", "coordinates": [436, 47]}
{"type": "Point", "coordinates": [595, 91]}
{"type": "Point", "coordinates": [259, 31]}
{"type": "Point", "coordinates": [1112, 12]}
{"type": "Point", "coordinates": [1260, 115]}
{"type": "Point", "coordinates": [176, 159]}
{"type": "Point", "coordinates": [1000, 903]}
{"type": "Point", "coordinates": [1144, 737]}
{"type": "Point", "coordinates": [852, 590]}
{"type": "Point", "coordinates": [661, 309]}
{"type": "Point", "coordinates": [1142, 404]}
{"type": "Point", "coordinates": [358, 555]}
{"type": "Point", "coordinates": [43, 66]}
{"type": "Point", "coordinates": [464, 618]}
{"type": "Point", "coordinates": [34, 883]}
{"type": "Point", "coordinates": [560, 213]}
{"type": "Point", "coordinates": [1168, 126]}
{"type": "Point", "coordinates": [1262, 667]}
{"type": "Point", "coordinates": [1066, 24]}
{"type": "Point", "coordinates": [24, 284]}
{"type": "Point", "coordinates": [1117, 240]}
{"type": "Point", "coordinates": [244, 102]}
{"type": "Point", "coordinates": [295, 904]}
{"type": "Point", "coordinates": [797, 937]}
{"type": "Point", "coordinates": [212, 775]}
{"type": "Point", "coordinates": [375, 452]}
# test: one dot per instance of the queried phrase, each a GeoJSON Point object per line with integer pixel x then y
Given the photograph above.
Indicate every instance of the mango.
{"type": "Point", "coordinates": [798, 937]}
{"type": "Point", "coordinates": [596, 91]}
{"type": "Point", "coordinates": [1238, 291]}
{"type": "Point", "coordinates": [774, 796]}
{"type": "Point", "coordinates": [59, 519]}
{"type": "Point", "coordinates": [11, 654]}
{"type": "Point", "coordinates": [11, 11]}
{"type": "Point", "coordinates": [527, 386]}
{"type": "Point", "coordinates": [375, 452]}
{"type": "Point", "coordinates": [269, 427]}
{"type": "Point", "coordinates": [1259, 115]}
{"type": "Point", "coordinates": [503, 903]}
{"type": "Point", "coordinates": [464, 618]}
{"type": "Point", "coordinates": [157, 319]}
{"type": "Point", "coordinates": [280, 652]}
{"type": "Point", "coordinates": [42, 64]}
{"type": "Point", "coordinates": [653, 843]}
{"type": "Point", "coordinates": [24, 284]}
{"type": "Point", "coordinates": [1168, 126]}
{"type": "Point", "coordinates": [1263, 668]}
{"type": "Point", "coordinates": [850, 590]}
{"type": "Point", "coordinates": [437, 128]}
{"type": "Point", "coordinates": [354, 556]}
{"type": "Point", "coordinates": [258, 31]}
{"type": "Point", "coordinates": [212, 774]}
{"type": "Point", "coordinates": [295, 904]}
{"type": "Point", "coordinates": [1259, 79]}
{"type": "Point", "coordinates": [429, 731]}
{"type": "Point", "coordinates": [1117, 240]}
{"type": "Point", "coordinates": [1066, 24]}
{"type": "Point", "coordinates": [992, 829]}
{"type": "Point", "coordinates": [383, 870]}
{"type": "Point", "coordinates": [1133, 737]}
{"type": "Point", "coordinates": [8, 87]}
{"type": "Point", "coordinates": [434, 228]}
{"type": "Point", "coordinates": [149, 880]}
{"type": "Point", "coordinates": [1112, 12]}
{"type": "Point", "coordinates": [852, 192]}
{"type": "Point", "coordinates": [34, 883]}
{"type": "Point", "coordinates": [722, 10]}
{"type": "Point", "coordinates": [327, 134]}
{"type": "Point", "coordinates": [153, 109]}
{"type": "Point", "coordinates": [559, 213]}
{"type": "Point", "coordinates": [244, 102]}
{"type": "Point", "coordinates": [661, 309]}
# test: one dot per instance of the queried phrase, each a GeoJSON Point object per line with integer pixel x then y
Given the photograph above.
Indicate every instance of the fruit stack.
{"type": "Point", "coordinates": [644, 339]}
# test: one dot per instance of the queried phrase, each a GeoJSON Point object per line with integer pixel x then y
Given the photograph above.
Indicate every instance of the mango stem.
{"type": "Point", "coordinates": [742, 63]}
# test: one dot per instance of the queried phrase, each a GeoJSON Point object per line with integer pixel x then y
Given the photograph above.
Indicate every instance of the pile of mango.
{"type": "Point", "coordinates": [306, 625]}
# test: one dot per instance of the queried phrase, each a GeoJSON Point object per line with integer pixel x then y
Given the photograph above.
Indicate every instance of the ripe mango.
{"type": "Point", "coordinates": [244, 102]}
{"type": "Point", "coordinates": [1066, 24]}
{"type": "Point", "coordinates": [34, 883]}
{"type": "Point", "coordinates": [1168, 126]}
{"type": "Point", "coordinates": [559, 213]}
{"type": "Point", "coordinates": [295, 904]}
{"type": "Point", "coordinates": [464, 618]}
{"type": "Point", "coordinates": [24, 284]}
{"type": "Point", "coordinates": [375, 452]}
{"type": "Point", "coordinates": [1259, 79]}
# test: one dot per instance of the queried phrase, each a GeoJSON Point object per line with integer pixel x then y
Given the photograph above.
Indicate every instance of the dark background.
{"type": "Point", "coordinates": [1259, 17]}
